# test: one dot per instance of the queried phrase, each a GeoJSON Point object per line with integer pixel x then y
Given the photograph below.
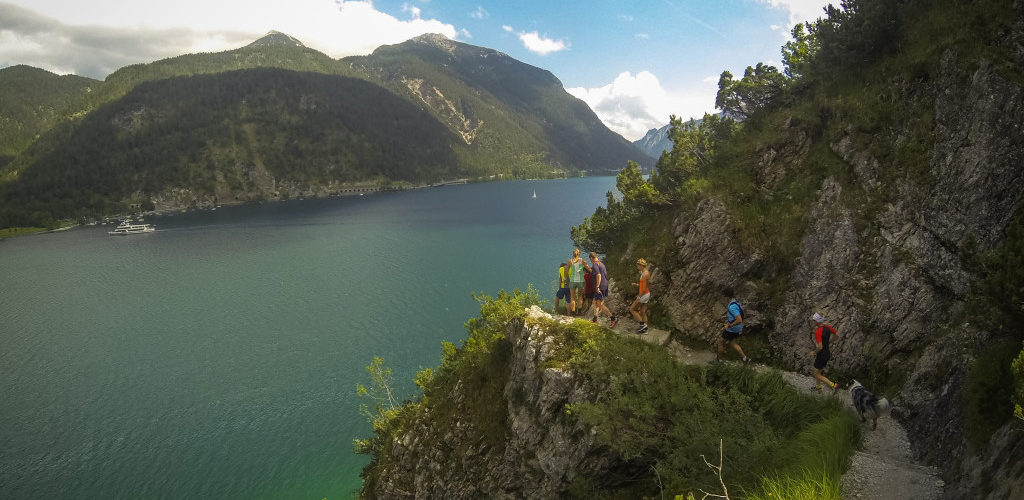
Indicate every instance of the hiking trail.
{"type": "Point", "coordinates": [882, 469]}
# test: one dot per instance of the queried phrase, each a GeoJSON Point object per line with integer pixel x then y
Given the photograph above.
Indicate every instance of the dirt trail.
{"type": "Point", "coordinates": [883, 469]}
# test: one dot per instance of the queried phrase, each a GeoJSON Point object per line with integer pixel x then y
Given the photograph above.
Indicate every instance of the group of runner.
{"type": "Point", "coordinates": [584, 287]}
{"type": "Point", "coordinates": [823, 334]}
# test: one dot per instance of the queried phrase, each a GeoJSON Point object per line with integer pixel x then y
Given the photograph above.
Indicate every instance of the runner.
{"type": "Point", "coordinates": [639, 307]}
{"type": "Point", "coordinates": [821, 353]}
{"type": "Point", "coordinates": [576, 267]}
{"type": "Point", "coordinates": [588, 291]}
{"type": "Point", "coordinates": [732, 330]}
{"type": "Point", "coordinates": [563, 288]}
{"type": "Point", "coordinates": [601, 283]}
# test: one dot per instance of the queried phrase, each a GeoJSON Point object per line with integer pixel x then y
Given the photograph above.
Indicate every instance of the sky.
{"type": "Point", "coordinates": [634, 62]}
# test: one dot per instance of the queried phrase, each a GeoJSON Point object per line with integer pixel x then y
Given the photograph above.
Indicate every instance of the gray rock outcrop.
{"type": "Point", "coordinates": [890, 276]}
{"type": "Point", "coordinates": [545, 448]}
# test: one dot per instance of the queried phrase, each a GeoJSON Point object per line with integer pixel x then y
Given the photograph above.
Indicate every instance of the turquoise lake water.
{"type": "Point", "coordinates": [218, 356]}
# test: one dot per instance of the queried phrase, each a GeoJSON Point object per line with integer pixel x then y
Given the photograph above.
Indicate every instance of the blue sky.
{"type": "Point", "coordinates": [634, 63]}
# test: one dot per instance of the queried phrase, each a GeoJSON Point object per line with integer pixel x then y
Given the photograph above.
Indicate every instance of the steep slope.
{"type": "Point", "coordinates": [535, 406]}
{"type": "Point", "coordinates": [245, 135]}
{"type": "Point", "coordinates": [655, 141]}
{"type": "Point", "coordinates": [881, 191]}
{"type": "Point", "coordinates": [32, 101]}
{"type": "Point", "coordinates": [506, 111]}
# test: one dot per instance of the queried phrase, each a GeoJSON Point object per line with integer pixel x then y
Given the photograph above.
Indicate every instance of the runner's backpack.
{"type": "Point", "coordinates": [742, 315]}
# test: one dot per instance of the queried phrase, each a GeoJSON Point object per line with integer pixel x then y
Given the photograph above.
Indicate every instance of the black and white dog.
{"type": "Point", "coordinates": [867, 405]}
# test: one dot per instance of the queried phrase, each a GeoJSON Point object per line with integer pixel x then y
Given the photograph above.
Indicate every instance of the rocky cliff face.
{"type": "Point", "coordinates": [655, 141]}
{"type": "Point", "coordinates": [891, 278]}
{"type": "Point", "coordinates": [545, 448]}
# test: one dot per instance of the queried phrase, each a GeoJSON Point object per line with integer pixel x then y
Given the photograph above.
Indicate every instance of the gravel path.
{"type": "Point", "coordinates": [883, 469]}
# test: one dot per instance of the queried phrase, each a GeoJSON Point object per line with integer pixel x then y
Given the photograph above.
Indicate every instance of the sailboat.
{"type": "Point", "coordinates": [534, 194]}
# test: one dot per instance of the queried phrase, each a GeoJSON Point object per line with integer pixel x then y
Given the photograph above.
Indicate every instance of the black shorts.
{"type": "Point", "coordinates": [727, 335]}
{"type": "Point", "coordinates": [821, 359]}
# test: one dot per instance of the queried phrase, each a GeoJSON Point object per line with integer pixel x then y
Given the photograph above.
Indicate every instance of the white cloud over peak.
{"type": "Point", "coordinates": [479, 13]}
{"type": "Point", "coordinates": [633, 104]}
{"type": "Point", "coordinates": [536, 43]}
{"type": "Point", "coordinates": [412, 9]}
{"type": "Point", "coordinates": [541, 45]}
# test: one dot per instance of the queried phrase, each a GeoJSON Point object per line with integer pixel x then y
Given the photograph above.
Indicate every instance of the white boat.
{"type": "Point", "coordinates": [534, 194]}
{"type": "Point", "coordinates": [126, 227]}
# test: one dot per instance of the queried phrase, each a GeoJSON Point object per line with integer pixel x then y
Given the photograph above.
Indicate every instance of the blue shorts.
{"type": "Point", "coordinates": [599, 295]}
{"type": "Point", "coordinates": [562, 293]}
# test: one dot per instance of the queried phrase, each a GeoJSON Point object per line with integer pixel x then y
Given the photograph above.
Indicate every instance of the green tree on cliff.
{"type": "Point", "coordinates": [757, 91]}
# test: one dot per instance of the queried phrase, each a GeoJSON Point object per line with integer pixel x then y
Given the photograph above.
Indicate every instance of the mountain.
{"type": "Point", "coordinates": [259, 134]}
{"type": "Point", "coordinates": [504, 110]}
{"type": "Point", "coordinates": [274, 50]}
{"type": "Point", "coordinates": [655, 141]}
{"type": "Point", "coordinates": [32, 101]}
{"type": "Point", "coordinates": [138, 140]}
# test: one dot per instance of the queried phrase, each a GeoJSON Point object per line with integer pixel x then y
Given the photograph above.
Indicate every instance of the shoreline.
{"type": "Point", "coordinates": [348, 192]}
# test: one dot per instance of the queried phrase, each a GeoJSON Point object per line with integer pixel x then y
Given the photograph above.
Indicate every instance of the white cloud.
{"type": "Point", "coordinates": [91, 41]}
{"type": "Point", "coordinates": [538, 44]}
{"type": "Point", "coordinates": [479, 13]}
{"type": "Point", "coordinates": [465, 33]}
{"type": "Point", "coordinates": [800, 10]}
{"type": "Point", "coordinates": [414, 10]}
{"type": "Point", "coordinates": [633, 104]}
{"type": "Point", "coordinates": [643, 36]}
{"type": "Point", "coordinates": [541, 45]}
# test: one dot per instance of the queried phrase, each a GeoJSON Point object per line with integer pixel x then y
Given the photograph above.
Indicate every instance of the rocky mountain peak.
{"type": "Point", "coordinates": [436, 40]}
{"type": "Point", "coordinates": [273, 38]}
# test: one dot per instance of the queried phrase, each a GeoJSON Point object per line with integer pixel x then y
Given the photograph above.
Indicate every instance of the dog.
{"type": "Point", "coordinates": [867, 405]}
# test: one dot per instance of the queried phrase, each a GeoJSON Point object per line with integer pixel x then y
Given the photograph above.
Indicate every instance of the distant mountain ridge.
{"type": "Point", "coordinates": [655, 141]}
{"type": "Point", "coordinates": [474, 112]}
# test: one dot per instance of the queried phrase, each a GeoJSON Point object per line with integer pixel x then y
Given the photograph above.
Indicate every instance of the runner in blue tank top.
{"type": "Point", "coordinates": [733, 328]}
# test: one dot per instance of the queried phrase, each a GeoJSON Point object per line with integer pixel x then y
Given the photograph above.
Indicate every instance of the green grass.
{"type": "Point", "coordinates": [806, 485]}
{"type": "Point", "coordinates": [8, 232]}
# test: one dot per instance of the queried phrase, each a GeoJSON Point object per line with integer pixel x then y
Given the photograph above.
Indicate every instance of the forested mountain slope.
{"type": "Point", "coordinates": [32, 101]}
{"type": "Point", "coordinates": [244, 135]}
{"type": "Point", "coordinates": [506, 111]}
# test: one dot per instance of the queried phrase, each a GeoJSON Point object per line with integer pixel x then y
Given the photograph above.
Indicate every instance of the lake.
{"type": "Point", "coordinates": [218, 356]}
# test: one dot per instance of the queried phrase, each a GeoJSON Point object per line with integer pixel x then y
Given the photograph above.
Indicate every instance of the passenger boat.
{"type": "Point", "coordinates": [126, 227]}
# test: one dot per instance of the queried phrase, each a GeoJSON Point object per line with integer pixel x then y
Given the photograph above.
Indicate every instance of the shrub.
{"type": "Point", "coordinates": [661, 416]}
{"type": "Point", "coordinates": [988, 392]}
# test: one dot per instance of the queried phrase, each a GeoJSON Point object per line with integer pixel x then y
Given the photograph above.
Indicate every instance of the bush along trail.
{"type": "Point", "coordinates": [882, 468]}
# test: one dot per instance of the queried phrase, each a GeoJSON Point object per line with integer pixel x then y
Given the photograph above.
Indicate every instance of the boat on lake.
{"type": "Point", "coordinates": [126, 227]}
